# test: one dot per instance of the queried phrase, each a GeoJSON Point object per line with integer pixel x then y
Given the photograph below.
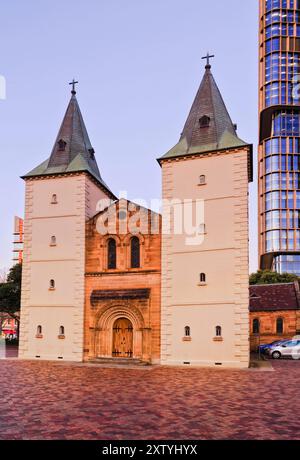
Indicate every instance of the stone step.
{"type": "Point", "coordinates": [119, 361]}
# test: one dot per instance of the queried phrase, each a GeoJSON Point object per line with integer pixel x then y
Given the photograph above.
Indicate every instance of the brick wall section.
{"type": "Point", "coordinates": [268, 326]}
{"type": "Point", "coordinates": [98, 277]}
{"type": "Point", "coordinates": [298, 321]}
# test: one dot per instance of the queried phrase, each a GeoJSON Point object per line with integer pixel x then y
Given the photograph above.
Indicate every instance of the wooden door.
{"type": "Point", "coordinates": [122, 339]}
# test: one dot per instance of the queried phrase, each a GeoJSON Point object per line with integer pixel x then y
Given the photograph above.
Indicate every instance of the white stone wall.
{"type": "Point", "coordinates": [223, 257]}
{"type": "Point", "coordinates": [65, 263]}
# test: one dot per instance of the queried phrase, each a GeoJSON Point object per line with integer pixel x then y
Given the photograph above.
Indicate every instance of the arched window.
{"type": "Point", "coordinates": [187, 331]}
{"type": "Point", "coordinates": [218, 331]}
{"type": "Point", "coordinates": [135, 252]}
{"type": "Point", "coordinates": [279, 325]}
{"type": "Point", "coordinates": [52, 284]}
{"type": "Point", "coordinates": [256, 326]}
{"type": "Point", "coordinates": [39, 330]}
{"type": "Point", "coordinates": [54, 199]}
{"type": "Point", "coordinates": [202, 278]}
{"type": "Point", "coordinates": [61, 330]}
{"type": "Point", "coordinates": [111, 254]}
{"type": "Point", "coordinates": [202, 180]}
{"type": "Point", "coordinates": [53, 241]}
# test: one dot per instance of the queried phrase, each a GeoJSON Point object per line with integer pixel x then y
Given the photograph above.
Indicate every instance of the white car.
{"type": "Point", "coordinates": [290, 348]}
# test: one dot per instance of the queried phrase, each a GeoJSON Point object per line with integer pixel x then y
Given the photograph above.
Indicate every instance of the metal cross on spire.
{"type": "Point", "coordinates": [73, 83]}
{"type": "Point", "coordinates": [208, 57]}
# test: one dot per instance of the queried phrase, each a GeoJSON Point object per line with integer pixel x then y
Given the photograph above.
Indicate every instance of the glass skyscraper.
{"type": "Point", "coordinates": [279, 148]}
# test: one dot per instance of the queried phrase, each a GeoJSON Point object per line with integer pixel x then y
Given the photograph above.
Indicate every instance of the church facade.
{"type": "Point", "coordinates": [123, 283]}
{"type": "Point", "coordinates": [107, 279]}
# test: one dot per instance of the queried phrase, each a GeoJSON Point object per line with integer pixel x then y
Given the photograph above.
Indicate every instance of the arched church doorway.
{"type": "Point", "coordinates": [122, 338]}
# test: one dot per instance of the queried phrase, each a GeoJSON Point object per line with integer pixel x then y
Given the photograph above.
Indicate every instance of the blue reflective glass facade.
{"type": "Point", "coordinates": [279, 151]}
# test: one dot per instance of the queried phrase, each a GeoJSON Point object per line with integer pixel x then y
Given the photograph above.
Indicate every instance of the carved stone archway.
{"type": "Point", "coordinates": [102, 337]}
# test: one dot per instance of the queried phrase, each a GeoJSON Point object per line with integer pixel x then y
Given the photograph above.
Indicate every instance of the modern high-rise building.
{"type": "Point", "coordinates": [279, 148]}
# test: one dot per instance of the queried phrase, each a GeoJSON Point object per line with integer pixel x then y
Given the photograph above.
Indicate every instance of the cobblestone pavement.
{"type": "Point", "coordinates": [41, 400]}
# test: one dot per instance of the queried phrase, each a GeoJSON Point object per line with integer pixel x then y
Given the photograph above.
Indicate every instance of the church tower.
{"type": "Point", "coordinates": [61, 195]}
{"type": "Point", "coordinates": [205, 288]}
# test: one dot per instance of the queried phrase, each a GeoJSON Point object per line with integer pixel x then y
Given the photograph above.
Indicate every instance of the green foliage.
{"type": "Point", "coordinates": [15, 275]}
{"type": "Point", "coordinates": [10, 292]}
{"type": "Point", "coordinates": [269, 277]}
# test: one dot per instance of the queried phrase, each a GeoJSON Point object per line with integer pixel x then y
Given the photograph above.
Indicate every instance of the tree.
{"type": "Point", "coordinates": [269, 277]}
{"type": "Point", "coordinates": [10, 293]}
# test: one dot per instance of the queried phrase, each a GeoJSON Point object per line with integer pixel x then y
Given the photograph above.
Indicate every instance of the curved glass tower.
{"type": "Point", "coordinates": [279, 148]}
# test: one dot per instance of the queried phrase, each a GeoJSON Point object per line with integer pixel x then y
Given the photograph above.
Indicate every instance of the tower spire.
{"type": "Point", "coordinates": [208, 127]}
{"type": "Point", "coordinates": [72, 151]}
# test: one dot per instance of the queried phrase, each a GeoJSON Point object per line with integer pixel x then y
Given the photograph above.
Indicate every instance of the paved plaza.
{"type": "Point", "coordinates": [41, 400]}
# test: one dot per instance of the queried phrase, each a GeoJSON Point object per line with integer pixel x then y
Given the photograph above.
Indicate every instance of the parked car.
{"type": "Point", "coordinates": [263, 349]}
{"type": "Point", "coordinates": [290, 348]}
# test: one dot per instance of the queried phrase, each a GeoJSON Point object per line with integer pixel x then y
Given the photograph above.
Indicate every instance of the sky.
{"type": "Point", "coordinates": [138, 63]}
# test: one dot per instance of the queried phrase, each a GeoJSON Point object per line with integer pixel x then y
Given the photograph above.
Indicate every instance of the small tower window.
{"type": "Point", "coordinates": [204, 121]}
{"type": "Point", "coordinates": [53, 241]}
{"type": "Point", "coordinates": [218, 331]}
{"type": "Point", "coordinates": [135, 252]}
{"type": "Point", "coordinates": [202, 180]}
{"type": "Point", "coordinates": [62, 145]}
{"type": "Point", "coordinates": [39, 332]}
{"type": "Point", "coordinates": [187, 331]}
{"type": "Point", "coordinates": [54, 199]}
{"type": "Point", "coordinates": [202, 278]}
{"type": "Point", "coordinates": [256, 326]}
{"type": "Point", "coordinates": [52, 285]}
{"type": "Point", "coordinates": [279, 325]}
{"type": "Point", "coordinates": [111, 254]}
{"type": "Point", "coordinates": [61, 332]}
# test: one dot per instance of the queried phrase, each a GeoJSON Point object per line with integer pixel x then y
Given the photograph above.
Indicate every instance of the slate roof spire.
{"type": "Point", "coordinates": [208, 127]}
{"type": "Point", "coordinates": [72, 151]}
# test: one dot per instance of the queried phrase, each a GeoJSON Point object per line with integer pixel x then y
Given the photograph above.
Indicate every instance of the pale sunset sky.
{"type": "Point", "coordinates": [139, 66]}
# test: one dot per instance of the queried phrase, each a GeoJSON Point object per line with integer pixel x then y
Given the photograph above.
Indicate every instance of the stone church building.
{"type": "Point", "coordinates": [107, 279]}
{"type": "Point", "coordinates": [123, 278]}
